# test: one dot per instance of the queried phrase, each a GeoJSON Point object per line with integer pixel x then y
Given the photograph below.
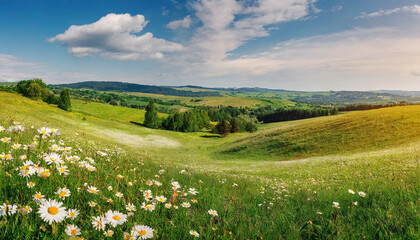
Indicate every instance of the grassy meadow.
{"type": "Point", "coordinates": [351, 176]}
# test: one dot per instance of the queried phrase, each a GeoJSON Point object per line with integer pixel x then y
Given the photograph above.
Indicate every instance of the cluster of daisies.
{"type": "Point", "coordinates": [56, 164]}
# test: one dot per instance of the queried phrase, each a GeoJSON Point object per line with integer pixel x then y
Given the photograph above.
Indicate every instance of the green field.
{"type": "Point", "coordinates": [284, 190]}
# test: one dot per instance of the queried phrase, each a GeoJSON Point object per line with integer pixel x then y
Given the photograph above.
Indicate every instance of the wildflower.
{"type": "Point", "coordinates": [194, 200]}
{"type": "Point", "coordinates": [109, 188]}
{"type": "Point", "coordinates": [51, 211]}
{"type": "Point", "coordinates": [109, 233]}
{"type": "Point", "coordinates": [38, 197]}
{"type": "Point", "coordinates": [213, 212]}
{"type": "Point", "coordinates": [44, 173]}
{"type": "Point", "coordinates": [193, 191]}
{"type": "Point", "coordinates": [5, 140]}
{"type": "Point", "coordinates": [31, 184]}
{"type": "Point", "coordinates": [99, 222]}
{"type": "Point", "coordinates": [27, 209]}
{"type": "Point", "coordinates": [119, 177]}
{"type": "Point", "coordinates": [72, 213]}
{"type": "Point", "coordinates": [63, 170]}
{"type": "Point", "coordinates": [44, 131]}
{"type": "Point", "coordinates": [142, 232]}
{"type": "Point", "coordinates": [92, 203]}
{"type": "Point", "coordinates": [16, 146]}
{"type": "Point", "coordinates": [148, 207]}
{"type": "Point", "coordinates": [12, 209]}
{"type": "Point", "coordinates": [362, 194]}
{"type": "Point", "coordinates": [168, 205]}
{"type": "Point", "coordinates": [319, 213]}
{"type": "Point", "coordinates": [194, 233]}
{"type": "Point", "coordinates": [115, 218]}
{"type": "Point", "coordinates": [131, 207]}
{"type": "Point", "coordinates": [53, 158]}
{"type": "Point", "coordinates": [161, 199]}
{"type": "Point", "coordinates": [72, 231]}
{"type": "Point", "coordinates": [336, 204]}
{"type": "Point", "coordinates": [158, 183]}
{"type": "Point", "coordinates": [186, 204]}
{"type": "Point", "coordinates": [63, 192]}
{"type": "Point", "coordinates": [351, 191]}
{"type": "Point", "coordinates": [149, 183]}
{"type": "Point", "coordinates": [161, 171]}
{"type": "Point", "coordinates": [119, 195]}
{"type": "Point", "coordinates": [355, 203]}
{"type": "Point", "coordinates": [93, 190]}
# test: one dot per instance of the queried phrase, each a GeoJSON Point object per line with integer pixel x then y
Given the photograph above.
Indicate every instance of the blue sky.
{"type": "Point", "coordinates": [288, 44]}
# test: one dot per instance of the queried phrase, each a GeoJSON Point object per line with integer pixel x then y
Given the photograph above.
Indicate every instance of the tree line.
{"type": "Point", "coordinates": [36, 89]}
{"type": "Point", "coordinates": [281, 114]}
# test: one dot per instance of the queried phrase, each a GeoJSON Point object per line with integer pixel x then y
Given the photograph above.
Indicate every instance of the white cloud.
{"type": "Point", "coordinates": [228, 24]}
{"type": "Point", "coordinates": [354, 59]}
{"type": "Point", "coordinates": [14, 69]}
{"type": "Point", "coordinates": [114, 37]}
{"type": "Point", "coordinates": [183, 23]}
{"type": "Point", "coordinates": [414, 9]}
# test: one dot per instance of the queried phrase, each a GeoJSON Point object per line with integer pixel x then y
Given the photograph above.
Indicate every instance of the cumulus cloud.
{"type": "Point", "coordinates": [414, 9]}
{"type": "Point", "coordinates": [228, 24]}
{"type": "Point", "coordinates": [183, 23]}
{"type": "Point", "coordinates": [368, 58]}
{"type": "Point", "coordinates": [114, 36]}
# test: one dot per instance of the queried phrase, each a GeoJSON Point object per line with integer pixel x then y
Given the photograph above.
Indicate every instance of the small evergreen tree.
{"type": "Point", "coordinates": [151, 118]}
{"type": "Point", "coordinates": [64, 102]}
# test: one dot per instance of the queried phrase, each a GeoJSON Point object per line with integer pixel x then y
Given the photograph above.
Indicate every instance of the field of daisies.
{"type": "Point", "coordinates": [57, 186]}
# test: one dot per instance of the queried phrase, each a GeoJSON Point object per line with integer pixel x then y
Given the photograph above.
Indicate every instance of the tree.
{"type": "Point", "coordinates": [151, 118]}
{"type": "Point", "coordinates": [34, 91]}
{"type": "Point", "coordinates": [64, 102]}
{"type": "Point", "coordinates": [223, 128]}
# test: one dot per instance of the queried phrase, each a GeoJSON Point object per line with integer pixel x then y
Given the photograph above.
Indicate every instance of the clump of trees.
{"type": "Point", "coordinates": [241, 123]}
{"type": "Point", "coordinates": [191, 121]}
{"type": "Point", "coordinates": [280, 115]}
{"type": "Point", "coordinates": [36, 89]}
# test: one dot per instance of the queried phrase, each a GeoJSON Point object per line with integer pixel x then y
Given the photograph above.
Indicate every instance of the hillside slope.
{"type": "Point", "coordinates": [352, 132]}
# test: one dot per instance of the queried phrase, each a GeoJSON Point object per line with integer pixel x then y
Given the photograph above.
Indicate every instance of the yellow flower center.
{"type": "Point", "coordinates": [38, 196]}
{"type": "Point", "coordinates": [27, 208]}
{"type": "Point", "coordinates": [148, 207]}
{"type": "Point", "coordinates": [142, 232]}
{"type": "Point", "coordinates": [62, 194]}
{"type": "Point", "coordinates": [116, 217]}
{"type": "Point", "coordinates": [72, 214]}
{"type": "Point", "coordinates": [53, 210]}
{"type": "Point", "coordinates": [73, 232]}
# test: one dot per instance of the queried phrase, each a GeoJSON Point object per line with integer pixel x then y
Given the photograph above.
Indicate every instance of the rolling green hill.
{"type": "Point", "coordinates": [352, 132]}
{"type": "Point", "coordinates": [256, 195]}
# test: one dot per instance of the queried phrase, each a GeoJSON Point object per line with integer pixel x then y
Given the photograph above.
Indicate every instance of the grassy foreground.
{"type": "Point", "coordinates": [295, 203]}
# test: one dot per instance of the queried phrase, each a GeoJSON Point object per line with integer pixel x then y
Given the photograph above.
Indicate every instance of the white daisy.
{"type": "Point", "coordinates": [109, 233]}
{"type": "Point", "coordinates": [73, 213]}
{"type": "Point", "coordinates": [93, 190]}
{"type": "Point", "coordinates": [130, 207]}
{"type": "Point", "coordinates": [186, 204]}
{"type": "Point", "coordinates": [115, 218]}
{"type": "Point", "coordinates": [148, 207]}
{"type": "Point", "coordinates": [53, 158]}
{"type": "Point", "coordinates": [213, 212]}
{"type": "Point", "coordinates": [51, 211]}
{"type": "Point", "coordinates": [142, 232]}
{"type": "Point", "coordinates": [63, 193]}
{"type": "Point", "coordinates": [72, 231]}
{"type": "Point", "coordinates": [99, 222]}
{"type": "Point", "coordinates": [161, 199]}
{"type": "Point", "coordinates": [194, 233]}
{"type": "Point", "coordinates": [362, 194]}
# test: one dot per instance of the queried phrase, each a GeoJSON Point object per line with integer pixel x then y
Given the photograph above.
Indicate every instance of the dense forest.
{"type": "Point", "coordinates": [132, 87]}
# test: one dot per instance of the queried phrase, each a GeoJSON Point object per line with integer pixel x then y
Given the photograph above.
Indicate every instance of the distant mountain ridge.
{"type": "Point", "coordinates": [132, 87]}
